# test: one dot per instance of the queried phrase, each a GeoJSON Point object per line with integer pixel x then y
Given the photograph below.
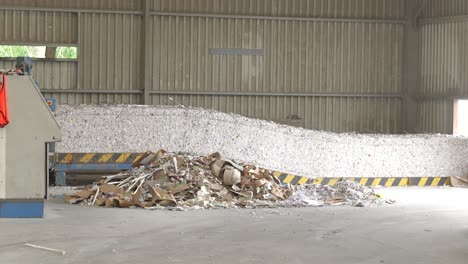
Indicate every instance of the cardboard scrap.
{"type": "Point", "coordinates": [179, 188]}
{"type": "Point", "coordinates": [85, 194]}
{"type": "Point", "coordinates": [164, 179]}
{"type": "Point", "coordinates": [174, 180]}
{"type": "Point", "coordinates": [108, 188]}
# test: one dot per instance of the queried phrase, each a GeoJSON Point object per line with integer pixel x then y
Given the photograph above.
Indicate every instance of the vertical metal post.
{"type": "Point", "coordinates": [79, 59]}
{"type": "Point", "coordinates": [146, 51]}
{"type": "Point", "coordinates": [411, 67]}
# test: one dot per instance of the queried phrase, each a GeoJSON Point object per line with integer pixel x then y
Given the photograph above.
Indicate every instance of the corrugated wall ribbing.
{"type": "Point", "coordinates": [84, 4]}
{"type": "Point", "coordinates": [59, 74]}
{"type": "Point", "coordinates": [110, 57]}
{"type": "Point", "coordinates": [321, 113]}
{"type": "Point", "coordinates": [38, 27]}
{"type": "Point", "coordinates": [56, 75]}
{"type": "Point", "coordinates": [444, 63]}
{"type": "Point", "coordinates": [306, 8]}
{"type": "Point", "coordinates": [444, 58]}
{"type": "Point", "coordinates": [436, 116]}
{"type": "Point", "coordinates": [445, 8]}
{"type": "Point", "coordinates": [300, 57]}
{"type": "Point", "coordinates": [6, 64]}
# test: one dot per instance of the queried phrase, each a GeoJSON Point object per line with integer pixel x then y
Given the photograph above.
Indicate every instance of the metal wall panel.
{"type": "Point", "coordinates": [304, 8]}
{"type": "Point", "coordinates": [444, 63]}
{"type": "Point", "coordinates": [435, 116]}
{"type": "Point", "coordinates": [299, 56]}
{"type": "Point", "coordinates": [60, 75]}
{"type": "Point", "coordinates": [31, 27]}
{"type": "Point", "coordinates": [109, 56]}
{"type": "Point", "coordinates": [445, 8]}
{"type": "Point", "coordinates": [84, 4]}
{"type": "Point", "coordinates": [444, 58]}
{"type": "Point", "coordinates": [57, 74]}
{"type": "Point", "coordinates": [368, 115]}
{"type": "Point", "coordinates": [301, 65]}
{"type": "Point", "coordinates": [303, 58]}
{"type": "Point", "coordinates": [7, 64]}
{"type": "Point", "coordinates": [93, 98]}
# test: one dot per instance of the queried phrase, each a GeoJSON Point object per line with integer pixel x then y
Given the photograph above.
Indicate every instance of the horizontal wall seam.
{"type": "Point", "coordinates": [39, 43]}
{"type": "Point", "coordinates": [316, 19]}
{"type": "Point", "coordinates": [443, 19]}
{"type": "Point", "coordinates": [222, 93]}
{"type": "Point", "coordinates": [80, 91]}
{"type": "Point", "coordinates": [71, 10]}
{"type": "Point", "coordinates": [140, 13]}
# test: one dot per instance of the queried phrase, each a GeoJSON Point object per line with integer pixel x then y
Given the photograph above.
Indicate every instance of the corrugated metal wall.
{"type": "Point", "coordinates": [110, 46]}
{"type": "Point", "coordinates": [294, 8]}
{"type": "Point", "coordinates": [84, 4]}
{"type": "Point", "coordinates": [327, 64]}
{"type": "Point", "coordinates": [38, 27]}
{"type": "Point", "coordinates": [324, 113]}
{"type": "Point", "coordinates": [304, 58]}
{"type": "Point", "coordinates": [445, 8]}
{"type": "Point", "coordinates": [444, 64]}
{"type": "Point", "coordinates": [50, 75]}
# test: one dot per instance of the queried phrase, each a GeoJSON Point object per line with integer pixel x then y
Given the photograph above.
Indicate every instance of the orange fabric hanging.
{"type": "Point", "coordinates": [3, 102]}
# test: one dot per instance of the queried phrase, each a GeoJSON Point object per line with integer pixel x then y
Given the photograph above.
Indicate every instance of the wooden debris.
{"type": "Point", "coordinates": [60, 252]}
{"type": "Point", "coordinates": [170, 180]}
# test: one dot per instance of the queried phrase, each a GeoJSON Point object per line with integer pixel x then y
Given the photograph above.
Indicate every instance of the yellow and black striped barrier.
{"type": "Point", "coordinates": [96, 158]}
{"type": "Point", "coordinates": [387, 182]}
{"type": "Point", "coordinates": [123, 161]}
{"type": "Point", "coordinates": [82, 163]}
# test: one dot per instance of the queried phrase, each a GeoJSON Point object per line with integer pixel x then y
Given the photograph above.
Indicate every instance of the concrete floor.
{"type": "Point", "coordinates": [427, 225]}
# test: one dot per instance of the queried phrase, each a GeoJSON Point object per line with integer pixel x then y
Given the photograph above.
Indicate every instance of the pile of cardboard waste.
{"type": "Point", "coordinates": [164, 179]}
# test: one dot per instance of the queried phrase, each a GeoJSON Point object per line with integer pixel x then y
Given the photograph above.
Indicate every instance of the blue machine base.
{"type": "Point", "coordinates": [21, 208]}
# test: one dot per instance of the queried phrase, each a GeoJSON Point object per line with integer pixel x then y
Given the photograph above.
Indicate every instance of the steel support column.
{"type": "Point", "coordinates": [145, 51]}
{"type": "Point", "coordinates": [411, 66]}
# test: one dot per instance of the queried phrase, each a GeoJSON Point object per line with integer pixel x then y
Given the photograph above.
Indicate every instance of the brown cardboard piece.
{"type": "Point", "coordinates": [109, 188]}
{"type": "Point", "coordinates": [170, 179]}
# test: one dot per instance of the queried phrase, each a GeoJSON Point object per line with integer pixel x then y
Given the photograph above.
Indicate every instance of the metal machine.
{"type": "Point", "coordinates": [24, 149]}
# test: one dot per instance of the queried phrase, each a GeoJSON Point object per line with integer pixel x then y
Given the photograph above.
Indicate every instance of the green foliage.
{"type": "Point", "coordinates": [16, 51]}
{"type": "Point", "coordinates": [66, 53]}
{"type": "Point", "coordinates": [30, 51]}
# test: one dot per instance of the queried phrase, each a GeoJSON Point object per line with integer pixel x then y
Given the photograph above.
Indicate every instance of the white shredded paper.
{"type": "Point", "coordinates": [127, 128]}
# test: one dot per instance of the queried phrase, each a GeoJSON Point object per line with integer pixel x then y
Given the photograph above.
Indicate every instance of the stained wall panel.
{"type": "Point", "coordinates": [33, 27]}
{"type": "Point", "coordinates": [109, 55]}
{"type": "Point", "coordinates": [306, 8]}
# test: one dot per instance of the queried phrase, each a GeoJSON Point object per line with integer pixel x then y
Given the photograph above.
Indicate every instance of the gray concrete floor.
{"type": "Point", "coordinates": [428, 225]}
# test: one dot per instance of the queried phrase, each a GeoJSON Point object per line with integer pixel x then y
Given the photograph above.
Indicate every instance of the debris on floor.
{"type": "Point", "coordinates": [180, 181]}
{"type": "Point", "coordinates": [343, 193]}
{"type": "Point", "coordinates": [164, 179]}
{"type": "Point", "coordinates": [57, 251]}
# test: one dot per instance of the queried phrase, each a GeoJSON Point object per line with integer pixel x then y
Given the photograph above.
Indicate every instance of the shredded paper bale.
{"type": "Point", "coordinates": [176, 180]}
